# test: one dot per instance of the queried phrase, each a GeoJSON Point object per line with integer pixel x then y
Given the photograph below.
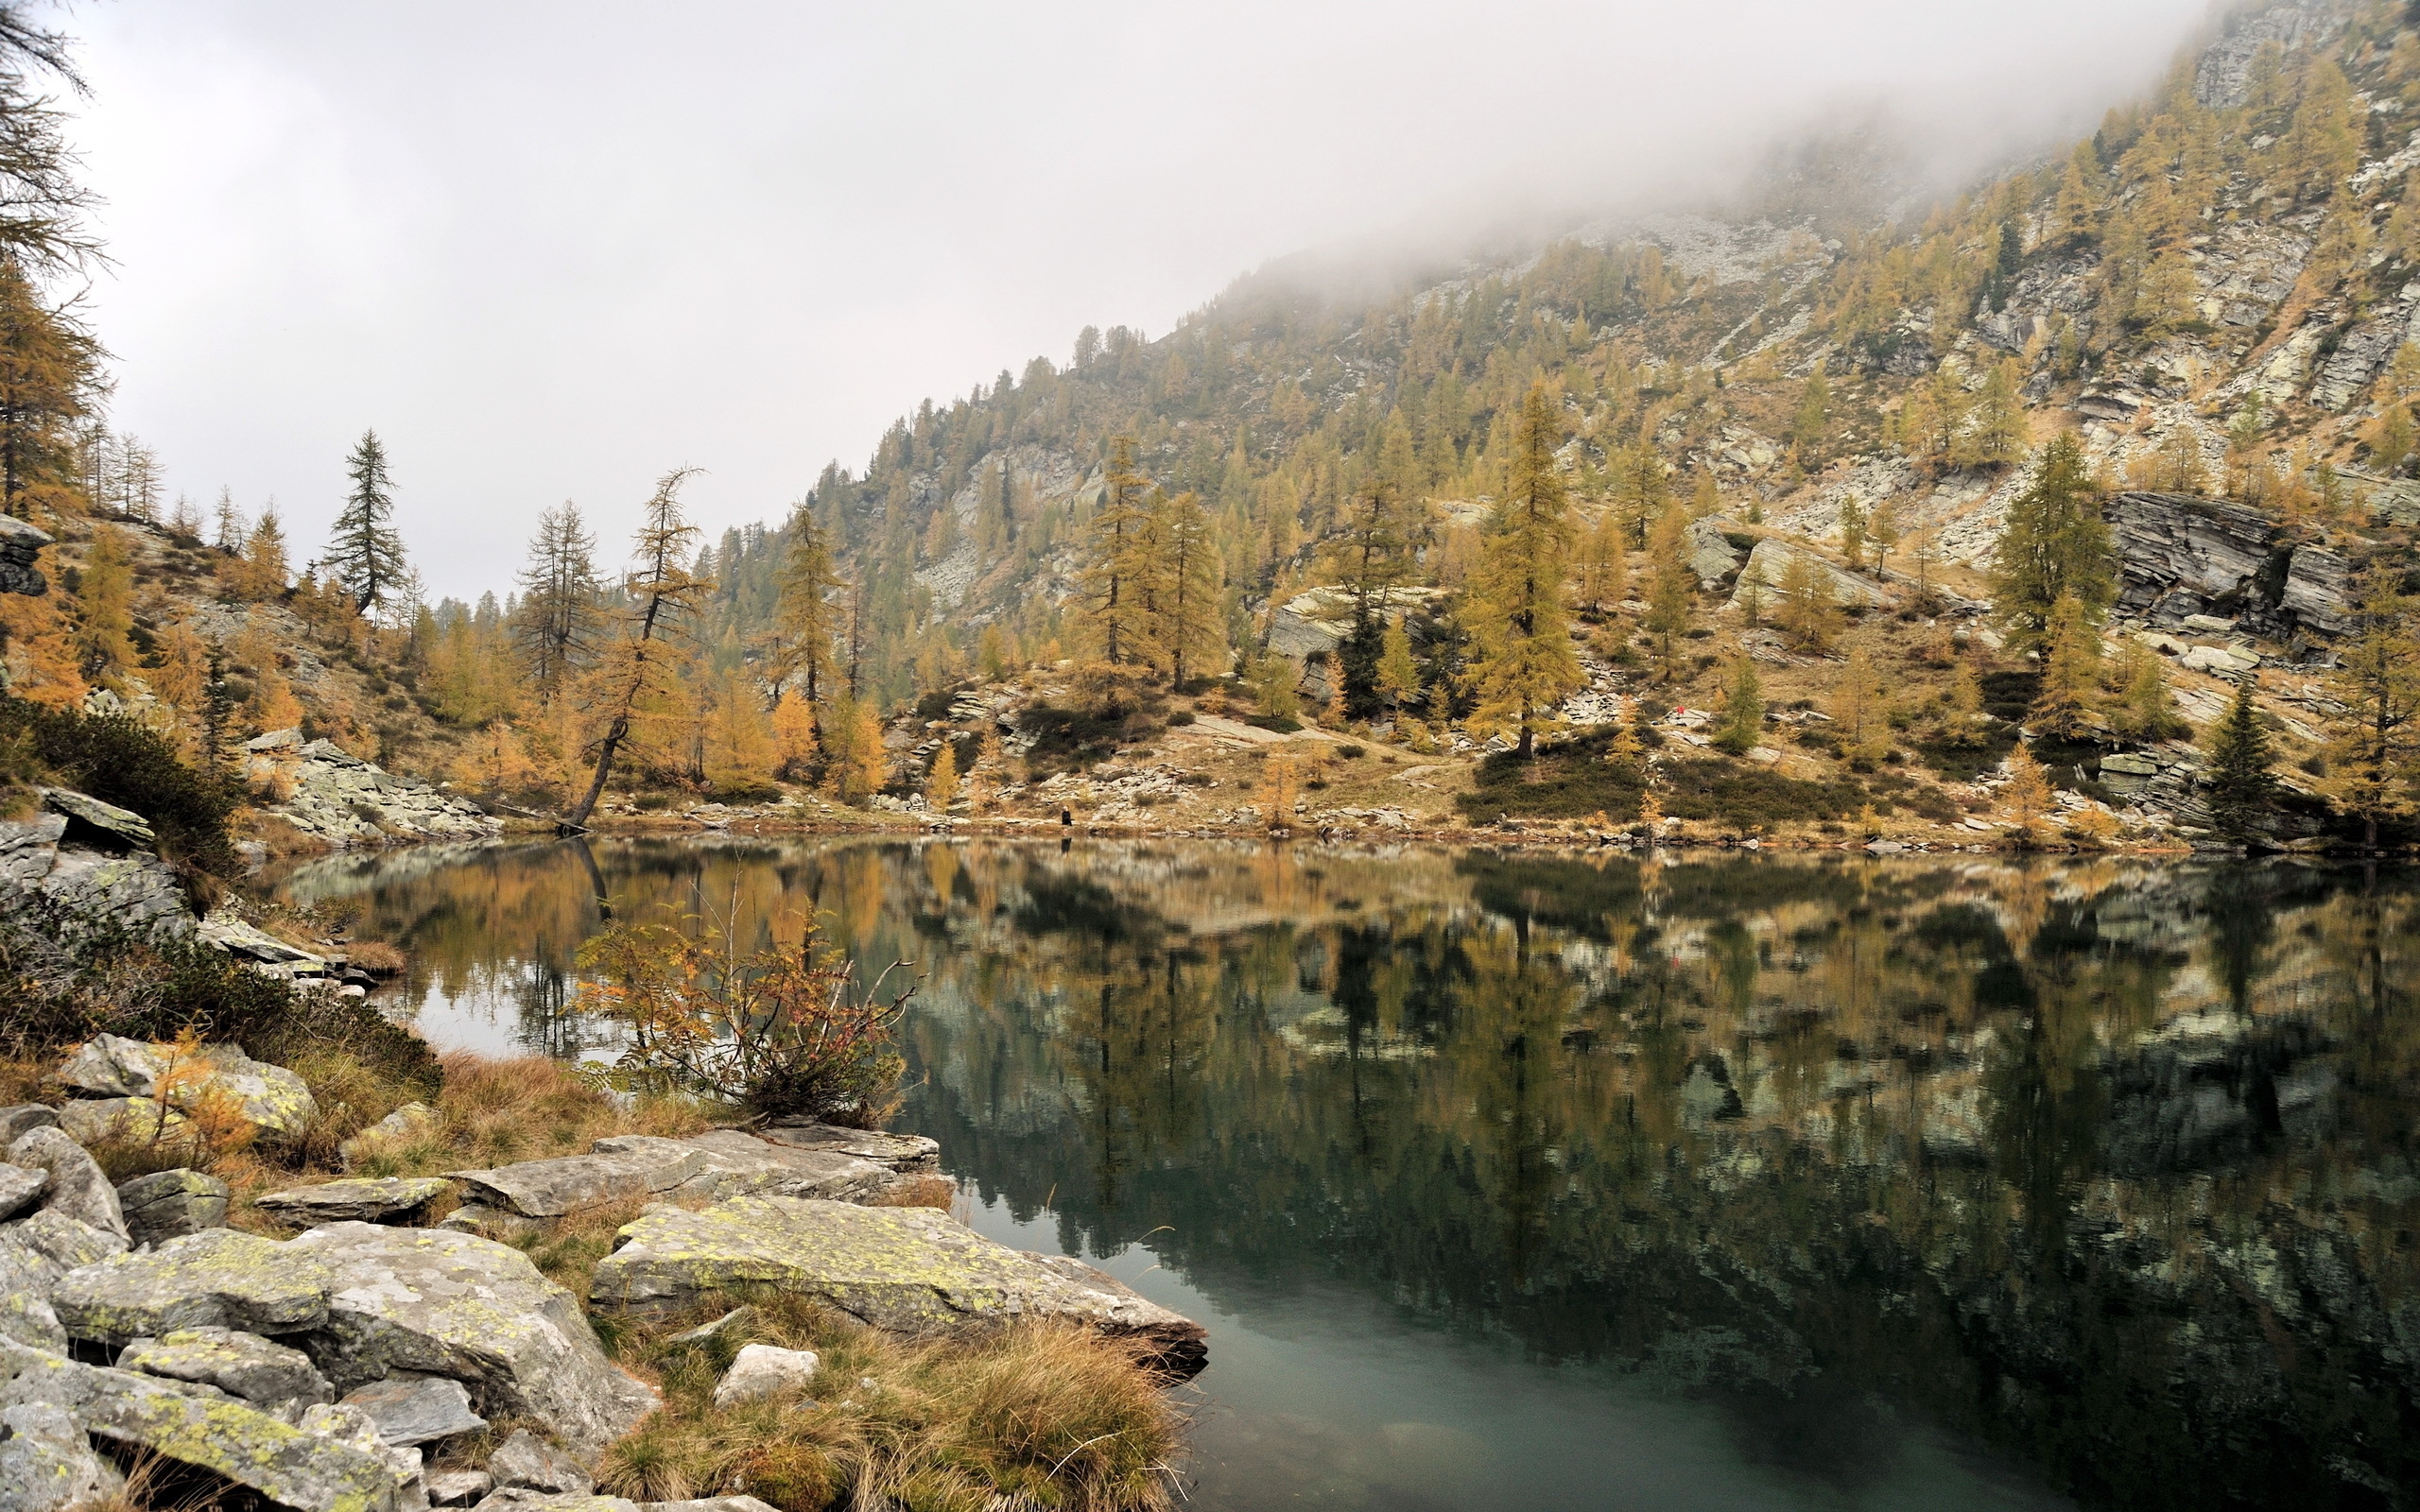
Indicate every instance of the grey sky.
{"type": "Point", "coordinates": [550, 250]}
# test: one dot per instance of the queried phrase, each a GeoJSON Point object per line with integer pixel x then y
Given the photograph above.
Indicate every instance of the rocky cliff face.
{"type": "Point", "coordinates": [2181, 557]}
{"type": "Point", "coordinates": [347, 801]}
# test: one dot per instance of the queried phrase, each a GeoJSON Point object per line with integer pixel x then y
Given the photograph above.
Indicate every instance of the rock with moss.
{"type": "Point", "coordinates": [367, 1199]}
{"type": "Point", "coordinates": [215, 1279]}
{"type": "Point", "coordinates": [517, 1499]}
{"type": "Point", "coordinates": [457, 1305]}
{"type": "Point", "coordinates": [167, 1204]}
{"type": "Point", "coordinates": [911, 1270]}
{"type": "Point", "coordinates": [77, 1188]}
{"type": "Point", "coordinates": [46, 1464]}
{"type": "Point", "coordinates": [350, 1425]}
{"type": "Point", "coordinates": [271, 1098]}
{"type": "Point", "coordinates": [65, 1242]}
{"type": "Point", "coordinates": [236, 1440]}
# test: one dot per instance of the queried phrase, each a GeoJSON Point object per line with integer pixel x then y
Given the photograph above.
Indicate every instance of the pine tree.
{"type": "Point", "coordinates": [661, 592]}
{"type": "Point", "coordinates": [1994, 434]}
{"type": "Point", "coordinates": [1882, 530]}
{"type": "Point", "coordinates": [1743, 707]}
{"type": "Point", "coordinates": [795, 747]}
{"type": "Point", "coordinates": [228, 531]}
{"type": "Point", "coordinates": [1526, 666]}
{"type": "Point", "coordinates": [2070, 671]}
{"type": "Point", "coordinates": [560, 612]}
{"type": "Point", "coordinates": [2375, 685]}
{"type": "Point", "coordinates": [2238, 776]}
{"type": "Point", "coordinates": [2053, 545]}
{"type": "Point", "coordinates": [1604, 564]}
{"type": "Point", "coordinates": [806, 621]}
{"type": "Point", "coordinates": [365, 553]}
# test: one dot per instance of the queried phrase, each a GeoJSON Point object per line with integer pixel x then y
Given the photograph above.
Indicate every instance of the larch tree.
{"type": "Point", "coordinates": [365, 553]}
{"type": "Point", "coordinates": [1116, 578]}
{"type": "Point", "coordinates": [1861, 711]}
{"type": "Point", "coordinates": [1526, 666]}
{"type": "Point", "coordinates": [1669, 594]}
{"type": "Point", "coordinates": [1808, 613]}
{"type": "Point", "coordinates": [1398, 673]}
{"type": "Point", "coordinates": [261, 573]}
{"type": "Point", "coordinates": [661, 592]}
{"type": "Point", "coordinates": [2070, 671]}
{"type": "Point", "coordinates": [2375, 685]}
{"type": "Point", "coordinates": [2053, 545]}
{"type": "Point", "coordinates": [1370, 557]}
{"type": "Point", "coordinates": [106, 602]}
{"type": "Point", "coordinates": [1187, 597]}
{"type": "Point", "coordinates": [1742, 723]}
{"type": "Point", "coordinates": [560, 613]}
{"type": "Point", "coordinates": [807, 621]}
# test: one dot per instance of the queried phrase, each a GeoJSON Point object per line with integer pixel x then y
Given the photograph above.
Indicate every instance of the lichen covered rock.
{"type": "Point", "coordinates": [228, 1438]}
{"type": "Point", "coordinates": [457, 1305]}
{"type": "Point", "coordinates": [909, 1270]}
{"type": "Point", "coordinates": [46, 1464]}
{"type": "Point", "coordinates": [367, 1199]}
{"type": "Point", "coordinates": [271, 1098]}
{"type": "Point", "coordinates": [167, 1204]}
{"type": "Point", "coordinates": [77, 1188]}
{"type": "Point", "coordinates": [239, 1363]}
{"type": "Point", "coordinates": [215, 1279]}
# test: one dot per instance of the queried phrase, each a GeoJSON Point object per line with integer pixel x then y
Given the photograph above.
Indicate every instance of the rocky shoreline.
{"type": "Point", "coordinates": [327, 1371]}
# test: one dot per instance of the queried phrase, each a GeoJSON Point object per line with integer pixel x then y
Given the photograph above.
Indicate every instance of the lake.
{"type": "Point", "coordinates": [1702, 1180]}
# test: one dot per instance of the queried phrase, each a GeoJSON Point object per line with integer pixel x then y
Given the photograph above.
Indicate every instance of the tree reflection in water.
{"type": "Point", "coordinates": [2109, 1164]}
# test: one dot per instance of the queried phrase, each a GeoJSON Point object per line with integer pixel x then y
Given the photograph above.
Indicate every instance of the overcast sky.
{"type": "Point", "coordinates": [550, 250]}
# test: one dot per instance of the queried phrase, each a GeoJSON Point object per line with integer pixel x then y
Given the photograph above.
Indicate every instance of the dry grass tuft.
{"type": "Point", "coordinates": [376, 956]}
{"type": "Point", "coordinates": [919, 1192]}
{"type": "Point", "coordinates": [529, 1109]}
{"type": "Point", "coordinates": [1039, 1415]}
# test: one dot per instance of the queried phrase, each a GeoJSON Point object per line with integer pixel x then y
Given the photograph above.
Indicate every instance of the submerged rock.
{"type": "Point", "coordinates": [46, 1464]}
{"type": "Point", "coordinates": [167, 1204]}
{"type": "Point", "coordinates": [214, 1278]}
{"type": "Point", "coordinates": [909, 1270]}
{"type": "Point", "coordinates": [369, 1199]}
{"type": "Point", "coordinates": [239, 1363]}
{"type": "Point", "coordinates": [246, 1445]}
{"type": "Point", "coordinates": [457, 1305]}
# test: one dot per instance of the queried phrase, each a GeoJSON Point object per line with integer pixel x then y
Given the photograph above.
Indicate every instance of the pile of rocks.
{"type": "Point", "coordinates": [347, 801]}
{"type": "Point", "coordinates": [323, 1372]}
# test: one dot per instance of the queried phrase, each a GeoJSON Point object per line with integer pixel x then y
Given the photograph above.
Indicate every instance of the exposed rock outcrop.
{"type": "Point", "coordinates": [824, 1164]}
{"type": "Point", "coordinates": [1769, 565]}
{"type": "Point", "coordinates": [239, 1363]}
{"type": "Point", "coordinates": [346, 802]}
{"type": "Point", "coordinates": [20, 543]}
{"type": "Point", "coordinates": [166, 1204]}
{"type": "Point", "coordinates": [2180, 554]}
{"type": "Point", "coordinates": [95, 860]}
{"type": "Point", "coordinates": [367, 1199]}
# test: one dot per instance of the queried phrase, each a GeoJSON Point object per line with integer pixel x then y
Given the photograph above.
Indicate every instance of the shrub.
{"type": "Point", "coordinates": [1350, 751]}
{"type": "Point", "coordinates": [783, 1032]}
{"type": "Point", "coordinates": [116, 760]}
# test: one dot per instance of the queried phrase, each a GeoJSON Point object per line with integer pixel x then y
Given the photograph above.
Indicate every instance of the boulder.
{"type": "Point", "coordinates": [90, 1121]}
{"type": "Point", "coordinates": [405, 1124]}
{"type": "Point", "coordinates": [707, 1332]}
{"type": "Point", "coordinates": [763, 1370]}
{"type": "Point", "coordinates": [1769, 564]}
{"type": "Point", "coordinates": [214, 1278]}
{"type": "Point", "coordinates": [64, 1241]}
{"type": "Point", "coordinates": [27, 1277]}
{"type": "Point", "coordinates": [167, 1204]}
{"type": "Point", "coordinates": [349, 1425]}
{"type": "Point", "coordinates": [525, 1462]}
{"type": "Point", "coordinates": [734, 1163]}
{"type": "Point", "coordinates": [239, 1363]}
{"type": "Point", "coordinates": [88, 874]}
{"type": "Point", "coordinates": [907, 1154]}
{"type": "Point", "coordinates": [283, 1464]}
{"type": "Point", "coordinates": [269, 1097]}
{"type": "Point", "coordinates": [909, 1270]}
{"type": "Point", "coordinates": [223, 931]}
{"type": "Point", "coordinates": [19, 1187]}
{"type": "Point", "coordinates": [46, 1464]}
{"type": "Point", "coordinates": [369, 1199]}
{"type": "Point", "coordinates": [92, 820]}
{"type": "Point", "coordinates": [21, 543]}
{"type": "Point", "coordinates": [417, 1410]}
{"type": "Point", "coordinates": [457, 1305]}
{"type": "Point", "coordinates": [549, 1189]}
{"type": "Point", "coordinates": [1708, 551]}
{"type": "Point", "coordinates": [24, 1118]}
{"type": "Point", "coordinates": [458, 1488]}
{"type": "Point", "coordinates": [78, 1188]}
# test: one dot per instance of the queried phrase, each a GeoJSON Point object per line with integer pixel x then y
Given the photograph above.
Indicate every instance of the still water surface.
{"type": "Point", "coordinates": [1513, 1182]}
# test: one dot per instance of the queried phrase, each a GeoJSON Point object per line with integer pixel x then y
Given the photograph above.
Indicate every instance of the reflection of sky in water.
{"type": "Point", "coordinates": [506, 1007]}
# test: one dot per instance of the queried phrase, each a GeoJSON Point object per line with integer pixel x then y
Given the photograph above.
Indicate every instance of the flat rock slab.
{"type": "Point", "coordinates": [19, 1187]}
{"type": "Point", "coordinates": [458, 1488]}
{"type": "Point", "coordinates": [737, 1164]}
{"type": "Point", "coordinates": [215, 1279]}
{"type": "Point", "coordinates": [418, 1410]}
{"type": "Point", "coordinates": [367, 1199]}
{"type": "Point", "coordinates": [239, 1363]}
{"type": "Point", "coordinates": [46, 1464]}
{"type": "Point", "coordinates": [453, 1304]}
{"type": "Point", "coordinates": [549, 1189]}
{"type": "Point", "coordinates": [66, 1243]}
{"type": "Point", "coordinates": [167, 1204]}
{"type": "Point", "coordinates": [78, 1188]}
{"type": "Point", "coordinates": [242, 1443]}
{"type": "Point", "coordinates": [908, 1154]}
{"type": "Point", "coordinates": [21, 1118]}
{"type": "Point", "coordinates": [269, 1097]}
{"type": "Point", "coordinates": [911, 1270]}
{"type": "Point", "coordinates": [518, 1499]}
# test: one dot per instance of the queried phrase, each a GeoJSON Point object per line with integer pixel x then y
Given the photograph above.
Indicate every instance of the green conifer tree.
{"type": "Point", "coordinates": [2238, 778]}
